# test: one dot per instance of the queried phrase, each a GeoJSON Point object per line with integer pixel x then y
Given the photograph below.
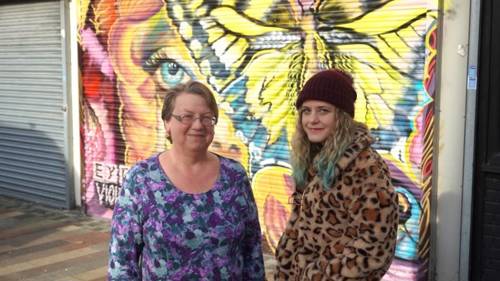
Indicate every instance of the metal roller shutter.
{"type": "Point", "coordinates": [256, 55]}
{"type": "Point", "coordinates": [33, 142]}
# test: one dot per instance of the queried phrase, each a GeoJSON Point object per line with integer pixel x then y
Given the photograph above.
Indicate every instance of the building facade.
{"type": "Point", "coordinates": [112, 60]}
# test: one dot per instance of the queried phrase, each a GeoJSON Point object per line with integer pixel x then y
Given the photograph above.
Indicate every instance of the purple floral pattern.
{"type": "Point", "coordinates": [161, 233]}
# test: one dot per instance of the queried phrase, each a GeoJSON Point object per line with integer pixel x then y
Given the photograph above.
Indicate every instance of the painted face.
{"type": "Point", "coordinates": [318, 120]}
{"type": "Point", "coordinates": [190, 126]}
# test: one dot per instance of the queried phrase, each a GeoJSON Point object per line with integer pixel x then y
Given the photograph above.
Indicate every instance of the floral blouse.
{"type": "Point", "coordinates": [159, 232]}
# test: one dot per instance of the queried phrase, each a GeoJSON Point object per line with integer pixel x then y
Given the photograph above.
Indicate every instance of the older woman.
{"type": "Point", "coordinates": [186, 213]}
{"type": "Point", "coordinates": [345, 215]}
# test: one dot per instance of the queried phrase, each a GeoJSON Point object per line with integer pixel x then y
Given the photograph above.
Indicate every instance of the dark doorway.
{"type": "Point", "coordinates": [485, 246]}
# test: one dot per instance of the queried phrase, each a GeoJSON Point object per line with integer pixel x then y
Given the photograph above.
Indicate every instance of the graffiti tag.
{"type": "Point", "coordinates": [107, 182]}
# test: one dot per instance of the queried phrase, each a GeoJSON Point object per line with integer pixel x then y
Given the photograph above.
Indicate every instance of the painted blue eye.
{"type": "Point", "coordinates": [172, 73]}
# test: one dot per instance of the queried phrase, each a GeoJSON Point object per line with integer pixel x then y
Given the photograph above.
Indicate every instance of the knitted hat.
{"type": "Point", "coordinates": [331, 86]}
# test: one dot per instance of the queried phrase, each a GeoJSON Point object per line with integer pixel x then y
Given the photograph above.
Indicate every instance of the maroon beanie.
{"type": "Point", "coordinates": [331, 86]}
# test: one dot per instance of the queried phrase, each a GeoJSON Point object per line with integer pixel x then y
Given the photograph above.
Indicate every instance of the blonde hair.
{"type": "Point", "coordinates": [322, 157]}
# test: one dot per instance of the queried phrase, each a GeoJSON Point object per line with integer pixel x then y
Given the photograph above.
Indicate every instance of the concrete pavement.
{"type": "Point", "coordinates": [45, 244]}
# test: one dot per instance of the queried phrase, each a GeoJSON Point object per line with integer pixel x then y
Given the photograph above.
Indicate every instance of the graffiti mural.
{"type": "Point", "coordinates": [255, 55]}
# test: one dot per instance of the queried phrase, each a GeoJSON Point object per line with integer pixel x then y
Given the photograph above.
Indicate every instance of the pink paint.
{"type": "Point", "coordinates": [275, 219]}
{"type": "Point", "coordinates": [99, 147]}
{"type": "Point", "coordinates": [96, 52]}
{"type": "Point", "coordinates": [416, 145]}
{"type": "Point", "coordinates": [402, 270]}
{"type": "Point", "coordinates": [306, 3]}
{"type": "Point", "coordinates": [92, 204]}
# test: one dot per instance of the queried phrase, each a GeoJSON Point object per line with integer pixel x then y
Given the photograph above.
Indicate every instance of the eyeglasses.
{"type": "Point", "coordinates": [188, 119]}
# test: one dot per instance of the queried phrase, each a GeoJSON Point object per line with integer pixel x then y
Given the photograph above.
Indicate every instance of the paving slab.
{"type": "Point", "coordinates": [39, 243]}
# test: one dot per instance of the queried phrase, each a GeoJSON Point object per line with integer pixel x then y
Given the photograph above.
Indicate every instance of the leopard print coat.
{"type": "Point", "coordinates": [347, 232]}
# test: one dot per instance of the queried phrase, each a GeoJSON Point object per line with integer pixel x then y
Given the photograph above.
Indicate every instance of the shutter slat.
{"type": "Point", "coordinates": [32, 130]}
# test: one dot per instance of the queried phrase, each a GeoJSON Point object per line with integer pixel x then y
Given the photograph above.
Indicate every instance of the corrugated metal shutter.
{"type": "Point", "coordinates": [256, 55]}
{"type": "Point", "coordinates": [32, 115]}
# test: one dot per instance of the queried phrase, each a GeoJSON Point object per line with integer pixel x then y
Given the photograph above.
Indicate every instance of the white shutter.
{"type": "Point", "coordinates": [32, 103]}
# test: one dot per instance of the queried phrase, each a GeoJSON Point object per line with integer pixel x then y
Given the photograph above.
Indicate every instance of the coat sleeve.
{"type": "Point", "coordinates": [125, 246]}
{"type": "Point", "coordinates": [373, 216]}
{"type": "Point", "coordinates": [288, 241]}
{"type": "Point", "coordinates": [253, 261]}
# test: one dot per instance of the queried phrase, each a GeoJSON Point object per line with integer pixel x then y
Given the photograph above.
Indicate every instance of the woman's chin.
{"type": "Point", "coordinates": [316, 138]}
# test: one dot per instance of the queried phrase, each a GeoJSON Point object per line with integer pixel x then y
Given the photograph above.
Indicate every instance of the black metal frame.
{"type": "Point", "coordinates": [485, 242]}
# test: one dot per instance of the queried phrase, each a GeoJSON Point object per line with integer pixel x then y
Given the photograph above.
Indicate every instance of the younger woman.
{"type": "Point", "coordinates": [344, 220]}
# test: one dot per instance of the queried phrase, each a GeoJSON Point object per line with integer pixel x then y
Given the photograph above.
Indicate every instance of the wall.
{"type": "Point", "coordinates": [255, 55]}
{"type": "Point", "coordinates": [450, 142]}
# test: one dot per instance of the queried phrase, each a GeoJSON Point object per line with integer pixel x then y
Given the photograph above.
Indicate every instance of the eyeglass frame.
{"type": "Point", "coordinates": [181, 117]}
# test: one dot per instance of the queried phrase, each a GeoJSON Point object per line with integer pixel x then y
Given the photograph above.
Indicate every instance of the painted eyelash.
{"type": "Point", "coordinates": [156, 59]}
